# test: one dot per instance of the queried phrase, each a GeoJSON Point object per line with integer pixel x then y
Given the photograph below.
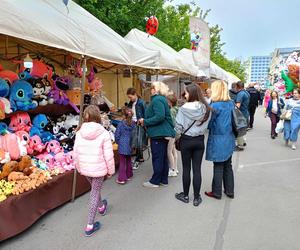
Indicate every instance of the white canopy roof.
{"type": "Point", "coordinates": [51, 23]}
{"type": "Point", "coordinates": [187, 54]}
{"type": "Point", "coordinates": [169, 59]}
{"type": "Point", "coordinates": [215, 70]}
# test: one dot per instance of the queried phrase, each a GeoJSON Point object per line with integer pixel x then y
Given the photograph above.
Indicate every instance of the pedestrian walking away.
{"type": "Point", "coordinates": [253, 103]}
{"type": "Point", "coordinates": [94, 155]}
{"type": "Point", "coordinates": [221, 141]}
{"type": "Point", "coordinates": [242, 102]}
{"type": "Point", "coordinates": [123, 138]}
{"type": "Point", "coordinates": [292, 126]}
{"type": "Point", "coordinates": [159, 124]}
{"type": "Point", "coordinates": [273, 110]}
{"type": "Point", "coordinates": [191, 123]}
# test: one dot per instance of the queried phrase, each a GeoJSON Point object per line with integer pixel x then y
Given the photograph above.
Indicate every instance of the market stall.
{"type": "Point", "coordinates": [49, 61]}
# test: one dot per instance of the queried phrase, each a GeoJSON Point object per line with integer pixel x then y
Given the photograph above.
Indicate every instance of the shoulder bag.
{"type": "Point", "coordinates": [239, 123]}
{"type": "Point", "coordinates": [178, 140]}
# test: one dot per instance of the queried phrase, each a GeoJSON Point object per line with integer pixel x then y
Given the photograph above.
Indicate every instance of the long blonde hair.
{"type": "Point", "coordinates": [219, 91]}
{"type": "Point", "coordinates": [161, 88]}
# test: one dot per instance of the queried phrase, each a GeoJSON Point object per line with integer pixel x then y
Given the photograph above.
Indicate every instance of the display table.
{"type": "Point", "coordinates": [17, 213]}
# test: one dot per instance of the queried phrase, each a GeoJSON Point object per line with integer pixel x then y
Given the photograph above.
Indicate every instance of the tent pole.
{"type": "Point", "coordinates": [118, 94]}
{"type": "Point", "coordinates": [80, 120]}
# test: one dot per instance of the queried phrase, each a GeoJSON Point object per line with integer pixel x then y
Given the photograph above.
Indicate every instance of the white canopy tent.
{"type": "Point", "coordinates": [169, 58]}
{"type": "Point", "coordinates": [187, 54]}
{"type": "Point", "coordinates": [71, 28]}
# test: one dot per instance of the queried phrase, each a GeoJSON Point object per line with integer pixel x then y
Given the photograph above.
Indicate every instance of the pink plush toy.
{"type": "Point", "coordinates": [59, 161]}
{"type": "Point", "coordinates": [35, 145]}
{"type": "Point", "coordinates": [23, 140]}
{"type": "Point", "coordinates": [48, 159]}
{"type": "Point", "coordinates": [20, 122]}
{"type": "Point", "coordinates": [69, 162]}
{"type": "Point", "coordinates": [9, 143]}
{"type": "Point", "coordinates": [54, 147]}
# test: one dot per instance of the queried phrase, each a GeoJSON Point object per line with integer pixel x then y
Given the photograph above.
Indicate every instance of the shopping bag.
{"type": "Point", "coordinates": [280, 126]}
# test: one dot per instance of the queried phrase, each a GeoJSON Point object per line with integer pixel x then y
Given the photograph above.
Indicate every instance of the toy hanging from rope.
{"type": "Point", "coordinates": [152, 25]}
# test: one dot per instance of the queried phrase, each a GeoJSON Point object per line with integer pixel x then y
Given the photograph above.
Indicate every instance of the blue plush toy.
{"type": "Point", "coordinates": [25, 75]}
{"type": "Point", "coordinates": [39, 123]}
{"type": "Point", "coordinates": [3, 128]}
{"type": "Point", "coordinates": [4, 88]}
{"type": "Point", "coordinates": [21, 94]}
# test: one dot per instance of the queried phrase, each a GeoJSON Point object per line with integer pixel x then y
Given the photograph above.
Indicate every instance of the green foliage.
{"type": "Point", "coordinates": [124, 15]}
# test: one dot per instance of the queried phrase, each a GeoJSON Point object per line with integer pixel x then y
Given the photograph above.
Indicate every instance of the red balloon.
{"type": "Point", "coordinates": [152, 25]}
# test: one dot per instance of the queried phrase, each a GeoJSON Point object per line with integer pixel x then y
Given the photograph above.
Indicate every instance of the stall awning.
{"type": "Point", "coordinates": [71, 28]}
{"type": "Point", "coordinates": [169, 58]}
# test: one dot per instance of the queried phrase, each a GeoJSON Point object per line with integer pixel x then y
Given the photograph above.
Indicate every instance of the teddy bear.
{"type": "Point", "coordinates": [25, 165]}
{"type": "Point", "coordinates": [8, 168]}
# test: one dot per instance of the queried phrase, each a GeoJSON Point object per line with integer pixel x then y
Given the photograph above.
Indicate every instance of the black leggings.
{"type": "Point", "coordinates": [192, 149]}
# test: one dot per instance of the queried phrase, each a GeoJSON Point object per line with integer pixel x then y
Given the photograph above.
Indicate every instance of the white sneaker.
{"type": "Point", "coordinates": [172, 173]}
{"type": "Point", "coordinates": [294, 147]}
{"type": "Point", "coordinates": [148, 184]}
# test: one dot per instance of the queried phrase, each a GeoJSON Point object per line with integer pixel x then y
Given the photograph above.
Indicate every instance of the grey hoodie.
{"type": "Point", "coordinates": [187, 114]}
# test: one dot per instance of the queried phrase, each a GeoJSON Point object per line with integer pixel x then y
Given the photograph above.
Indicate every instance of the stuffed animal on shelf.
{"type": "Point", "coordinates": [6, 189]}
{"type": "Point", "coordinates": [39, 95]}
{"type": "Point", "coordinates": [48, 159]}
{"type": "Point", "coordinates": [69, 161]}
{"type": "Point", "coordinates": [60, 161]}
{"type": "Point", "coordinates": [8, 168]}
{"type": "Point", "coordinates": [8, 75]}
{"type": "Point", "coordinates": [25, 163]}
{"type": "Point", "coordinates": [40, 164]}
{"type": "Point", "coordinates": [5, 106]}
{"type": "Point", "coordinates": [21, 94]}
{"type": "Point", "coordinates": [58, 93]}
{"type": "Point", "coordinates": [20, 122]}
{"type": "Point", "coordinates": [3, 128]}
{"type": "Point", "coordinates": [48, 88]}
{"type": "Point", "coordinates": [10, 143]}
{"type": "Point", "coordinates": [4, 156]}
{"type": "Point", "coordinates": [35, 145]}
{"type": "Point", "coordinates": [39, 69]}
{"type": "Point", "coordinates": [25, 75]}
{"type": "Point", "coordinates": [54, 147]}
{"type": "Point", "coordinates": [4, 88]}
{"type": "Point", "coordinates": [39, 124]}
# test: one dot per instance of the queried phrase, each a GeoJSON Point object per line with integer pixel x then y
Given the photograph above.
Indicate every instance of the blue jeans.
{"type": "Point", "coordinates": [159, 150]}
{"type": "Point", "coordinates": [292, 127]}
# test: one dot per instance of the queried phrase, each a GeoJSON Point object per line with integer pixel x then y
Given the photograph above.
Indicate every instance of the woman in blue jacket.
{"type": "Point", "coordinates": [274, 108]}
{"type": "Point", "coordinates": [221, 141]}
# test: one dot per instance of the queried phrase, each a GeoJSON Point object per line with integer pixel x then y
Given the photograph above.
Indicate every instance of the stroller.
{"type": "Point", "coordinates": [139, 144]}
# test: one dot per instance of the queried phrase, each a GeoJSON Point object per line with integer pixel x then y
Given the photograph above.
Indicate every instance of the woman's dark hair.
{"type": "Point", "coordinates": [132, 91]}
{"type": "Point", "coordinates": [195, 95]}
{"type": "Point", "coordinates": [272, 94]}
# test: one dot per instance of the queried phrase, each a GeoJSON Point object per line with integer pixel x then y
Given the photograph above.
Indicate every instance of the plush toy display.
{"type": "Point", "coordinates": [4, 157]}
{"type": "Point", "coordinates": [39, 124]}
{"type": "Point", "coordinates": [21, 94]}
{"type": "Point", "coordinates": [8, 168]}
{"type": "Point", "coordinates": [8, 75]}
{"type": "Point", "coordinates": [4, 88]}
{"type": "Point", "coordinates": [6, 189]}
{"type": "Point", "coordinates": [39, 95]}
{"type": "Point", "coordinates": [54, 147]}
{"type": "Point", "coordinates": [10, 143]}
{"type": "Point", "coordinates": [39, 69]}
{"type": "Point", "coordinates": [61, 84]}
{"type": "Point", "coordinates": [20, 122]}
{"type": "Point", "coordinates": [35, 145]}
{"type": "Point", "coordinates": [92, 74]}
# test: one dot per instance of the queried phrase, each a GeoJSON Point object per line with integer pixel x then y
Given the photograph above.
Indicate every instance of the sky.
{"type": "Point", "coordinates": [254, 27]}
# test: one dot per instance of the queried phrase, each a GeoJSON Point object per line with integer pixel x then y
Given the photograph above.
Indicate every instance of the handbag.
{"type": "Point", "coordinates": [286, 115]}
{"type": "Point", "coordinates": [239, 123]}
{"type": "Point", "coordinates": [138, 139]}
{"type": "Point", "coordinates": [178, 140]}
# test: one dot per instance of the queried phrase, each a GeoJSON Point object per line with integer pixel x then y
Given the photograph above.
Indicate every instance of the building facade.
{"type": "Point", "coordinates": [257, 69]}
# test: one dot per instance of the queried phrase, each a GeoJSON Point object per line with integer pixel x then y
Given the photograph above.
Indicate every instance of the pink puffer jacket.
{"type": "Point", "coordinates": [93, 151]}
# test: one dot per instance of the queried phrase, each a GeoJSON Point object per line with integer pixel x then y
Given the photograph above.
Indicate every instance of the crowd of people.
{"type": "Point", "coordinates": [170, 129]}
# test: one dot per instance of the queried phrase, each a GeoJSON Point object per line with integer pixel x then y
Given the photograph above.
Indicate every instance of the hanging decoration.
{"type": "Point", "coordinates": [196, 38]}
{"type": "Point", "coordinates": [152, 25]}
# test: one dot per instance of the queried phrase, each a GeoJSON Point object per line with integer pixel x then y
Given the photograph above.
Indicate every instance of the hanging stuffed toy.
{"type": "Point", "coordinates": [195, 40]}
{"type": "Point", "coordinates": [39, 123]}
{"type": "Point", "coordinates": [289, 84]}
{"type": "Point", "coordinates": [20, 122]}
{"type": "Point", "coordinates": [92, 74]}
{"type": "Point", "coordinates": [58, 93]}
{"type": "Point", "coordinates": [78, 70]}
{"type": "Point", "coordinates": [39, 91]}
{"type": "Point", "coordinates": [152, 25]}
{"type": "Point", "coordinates": [21, 94]}
{"type": "Point", "coordinates": [8, 75]}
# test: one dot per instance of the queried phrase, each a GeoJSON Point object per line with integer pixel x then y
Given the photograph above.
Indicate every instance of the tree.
{"type": "Point", "coordinates": [124, 15]}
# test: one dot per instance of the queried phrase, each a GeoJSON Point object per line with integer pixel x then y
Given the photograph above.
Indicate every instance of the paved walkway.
{"type": "Point", "coordinates": [265, 214]}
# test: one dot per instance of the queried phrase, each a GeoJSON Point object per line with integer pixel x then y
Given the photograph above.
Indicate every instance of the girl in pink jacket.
{"type": "Point", "coordinates": [94, 159]}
